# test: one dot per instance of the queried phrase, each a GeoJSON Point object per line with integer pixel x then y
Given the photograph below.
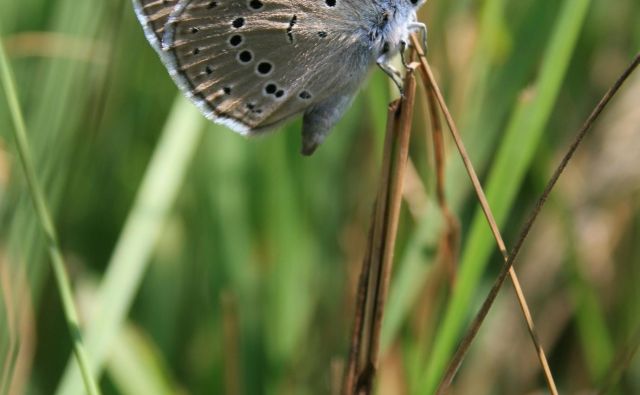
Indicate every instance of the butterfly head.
{"type": "Point", "coordinates": [417, 3]}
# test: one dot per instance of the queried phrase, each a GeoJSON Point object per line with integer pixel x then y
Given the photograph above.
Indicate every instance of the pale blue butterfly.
{"type": "Point", "coordinates": [253, 64]}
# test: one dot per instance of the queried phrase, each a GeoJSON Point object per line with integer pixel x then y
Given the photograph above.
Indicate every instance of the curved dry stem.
{"type": "Point", "coordinates": [432, 88]}
{"type": "Point", "coordinates": [458, 357]}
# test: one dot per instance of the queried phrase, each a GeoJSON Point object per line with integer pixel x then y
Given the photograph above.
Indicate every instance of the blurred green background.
{"type": "Point", "coordinates": [204, 263]}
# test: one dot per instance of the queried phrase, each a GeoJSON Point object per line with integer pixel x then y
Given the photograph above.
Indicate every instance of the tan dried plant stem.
{"type": "Point", "coordinates": [374, 279]}
{"type": "Point", "coordinates": [507, 268]}
{"type": "Point", "coordinates": [451, 238]}
{"type": "Point", "coordinates": [431, 86]}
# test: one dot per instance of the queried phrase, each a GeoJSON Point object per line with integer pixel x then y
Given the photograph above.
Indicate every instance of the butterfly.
{"type": "Point", "coordinates": [253, 64]}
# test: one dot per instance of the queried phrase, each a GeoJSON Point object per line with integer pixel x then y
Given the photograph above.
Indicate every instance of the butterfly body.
{"type": "Point", "coordinates": [253, 64]}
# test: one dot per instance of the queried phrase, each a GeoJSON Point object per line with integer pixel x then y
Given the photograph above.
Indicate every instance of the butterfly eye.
{"type": "Point", "coordinates": [414, 2]}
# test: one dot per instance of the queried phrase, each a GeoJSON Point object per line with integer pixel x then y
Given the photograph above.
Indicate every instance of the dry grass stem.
{"type": "Point", "coordinates": [376, 270]}
{"type": "Point", "coordinates": [451, 238]}
{"type": "Point", "coordinates": [432, 88]}
{"type": "Point", "coordinates": [358, 335]}
{"type": "Point", "coordinates": [464, 346]}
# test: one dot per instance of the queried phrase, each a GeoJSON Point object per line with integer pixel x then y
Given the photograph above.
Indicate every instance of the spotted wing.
{"type": "Point", "coordinates": [251, 64]}
{"type": "Point", "coordinates": [153, 15]}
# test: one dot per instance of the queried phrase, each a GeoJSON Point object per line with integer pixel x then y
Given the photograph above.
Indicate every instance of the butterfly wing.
{"type": "Point", "coordinates": [251, 64]}
{"type": "Point", "coordinates": [153, 15]}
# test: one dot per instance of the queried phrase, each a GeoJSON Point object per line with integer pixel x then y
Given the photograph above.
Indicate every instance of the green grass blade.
{"type": "Point", "coordinates": [137, 367]}
{"type": "Point", "coordinates": [56, 92]}
{"type": "Point", "coordinates": [155, 198]}
{"type": "Point", "coordinates": [53, 247]}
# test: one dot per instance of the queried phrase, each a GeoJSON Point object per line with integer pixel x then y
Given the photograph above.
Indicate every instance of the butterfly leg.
{"type": "Point", "coordinates": [422, 28]}
{"type": "Point", "coordinates": [394, 74]}
{"type": "Point", "coordinates": [403, 49]}
{"type": "Point", "coordinates": [320, 119]}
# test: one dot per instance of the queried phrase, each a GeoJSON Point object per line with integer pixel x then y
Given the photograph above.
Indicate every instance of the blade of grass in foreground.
{"type": "Point", "coordinates": [137, 367]}
{"type": "Point", "coordinates": [56, 91]}
{"type": "Point", "coordinates": [155, 198]}
{"type": "Point", "coordinates": [514, 156]}
{"type": "Point", "coordinates": [55, 253]}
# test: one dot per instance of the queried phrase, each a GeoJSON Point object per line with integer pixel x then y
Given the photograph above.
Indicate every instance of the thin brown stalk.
{"type": "Point", "coordinates": [432, 87]}
{"type": "Point", "coordinates": [376, 270]}
{"type": "Point", "coordinates": [364, 280]}
{"type": "Point", "coordinates": [452, 235]}
{"type": "Point", "coordinates": [464, 346]}
{"type": "Point", "coordinates": [394, 203]}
